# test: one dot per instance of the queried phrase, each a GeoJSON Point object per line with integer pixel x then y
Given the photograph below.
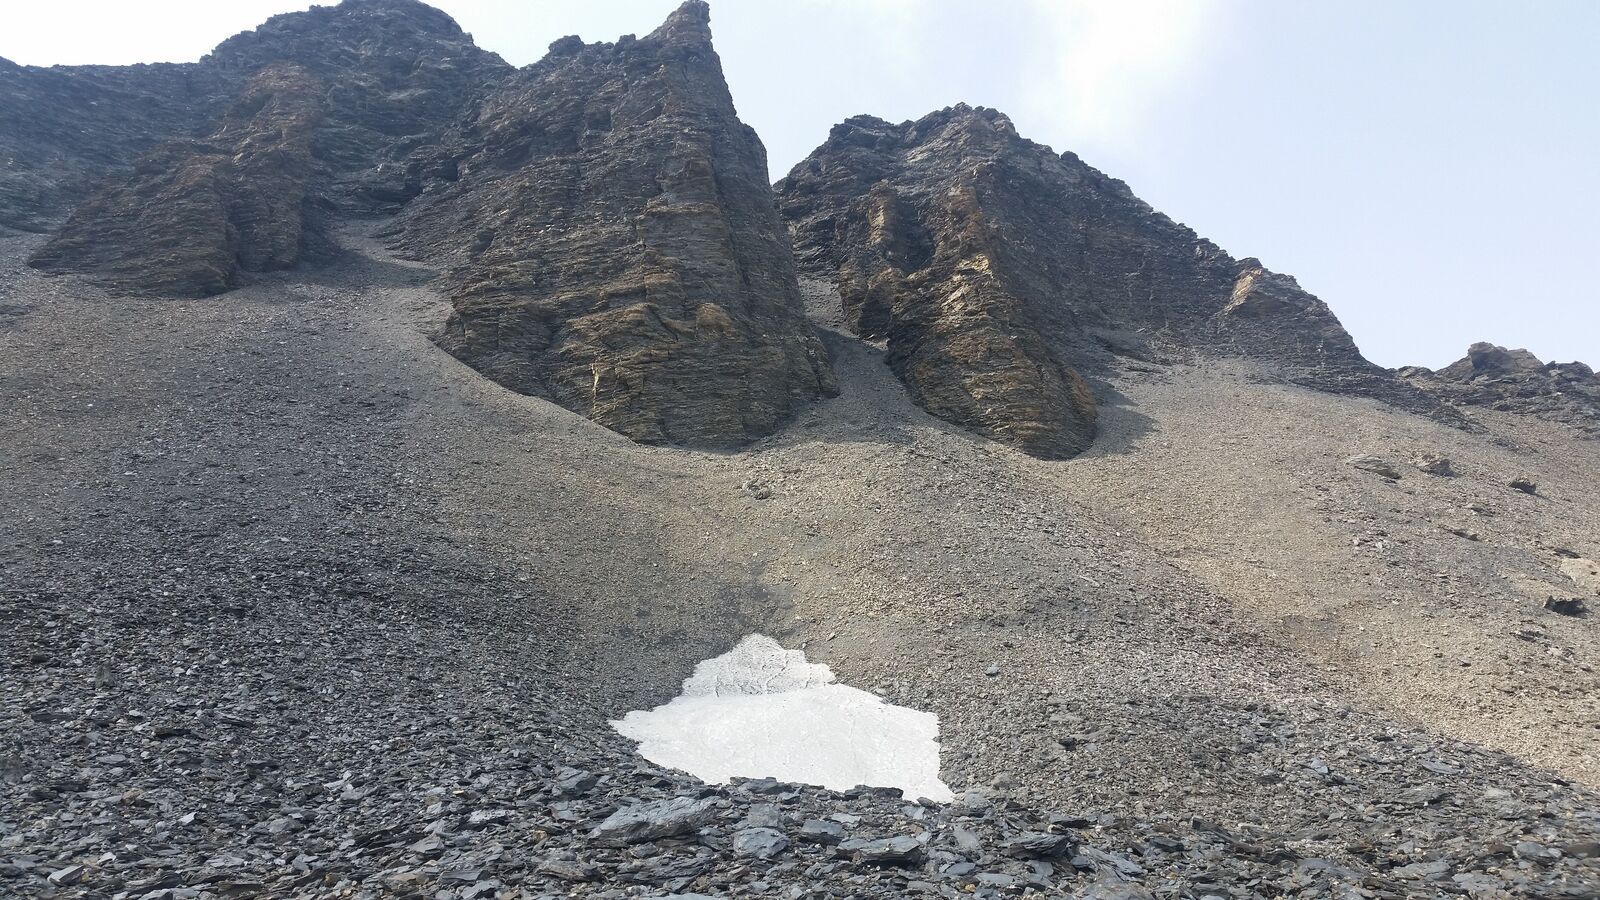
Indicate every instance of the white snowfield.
{"type": "Point", "coordinates": [762, 711]}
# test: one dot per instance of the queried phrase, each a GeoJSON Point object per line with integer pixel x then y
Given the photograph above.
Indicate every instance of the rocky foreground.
{"type": "Point", "coordinates": [298, 606]}
{"type": "Point", "coordinates": [247, 655]}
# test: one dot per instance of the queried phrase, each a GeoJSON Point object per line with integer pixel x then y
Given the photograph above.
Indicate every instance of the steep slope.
{"type": "Point", "coordinates": [613, 245]}
{"type": "Point", "coordinates": [309, 112]}
{"type": "Point", "coordinates": [996, 270]}
{"type": "Point", "coordinates": [1517, 381]}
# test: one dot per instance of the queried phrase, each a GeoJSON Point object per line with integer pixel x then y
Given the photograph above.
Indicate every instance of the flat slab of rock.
{"type": "Point", "coordinates": [1037, 845]}
{"type": "Point", "coordinates": [900, 850]}
{"type": "Point", "coordinates": [1377, 465]}
{"type": "Point", "coordinates": [654, 821]}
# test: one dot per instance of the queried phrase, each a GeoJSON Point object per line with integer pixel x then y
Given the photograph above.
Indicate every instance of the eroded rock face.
{"type": "Point", "coordinates": [1517, 381]}
{"type": "Point", "coordinates": [181, 176]}
{"type": "Point", "coordinates": [996, 270]}
{"type": "Point", "coordinates": [612, 244]}
{"type": "Point", "coordinates": [63, 127]}
{"type": "Point", "coordinates": [395, 73]}
{"type": "Point", "coordinates": [194, 214]}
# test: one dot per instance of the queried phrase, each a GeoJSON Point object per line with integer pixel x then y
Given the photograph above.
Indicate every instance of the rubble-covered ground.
{"type": "Point", "coordinates": [297, 606]}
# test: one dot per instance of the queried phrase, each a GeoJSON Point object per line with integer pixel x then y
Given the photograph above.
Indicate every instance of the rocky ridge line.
{"type": "Point", "coordinates": [997, 271]}
{"type": "Point", "coordinates": [1516, 381]}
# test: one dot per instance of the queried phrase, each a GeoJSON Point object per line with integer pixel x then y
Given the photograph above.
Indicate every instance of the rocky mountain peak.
{"type": "Point", "coordinates": [611, 244]}
{"type": "Point", "coordinates": [955, 225]}
{"type": "Point", "coordinates": [367, 20]}
{"type": "Point", "coordinates": [689, 24]}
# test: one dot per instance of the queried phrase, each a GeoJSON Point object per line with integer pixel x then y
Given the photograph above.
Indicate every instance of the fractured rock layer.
{"type": "Point", "coordinates": [994, 268]}
{"type": "Point", "coordinates": [194, 214]}
{"type": "Point", "coordinates": [63, 126]}
{"type": "Point", "coordinates": [1516, 381]}
{"type": "Point", "coordinates": [613, 245]}
{"type": "Point", "coordinates": [185, 174]}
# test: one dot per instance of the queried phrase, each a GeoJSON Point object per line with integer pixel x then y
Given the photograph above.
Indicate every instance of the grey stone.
{"type": "Point", "coordinates": [900, 850]}
{"type": "Point", "coordinates": [821, 831]}
{"type": "Point", "coordinates": [653, 821]}
{"type": "Point", "coordinates": [1037, 844]}
{"type": "Point", "coordinates": [1377, 465]}
{"type": "Point", "coordinates": [761, 843]}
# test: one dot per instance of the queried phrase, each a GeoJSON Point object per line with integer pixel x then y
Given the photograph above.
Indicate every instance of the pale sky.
{"type": "Point", "coordinates": [1429, 168]}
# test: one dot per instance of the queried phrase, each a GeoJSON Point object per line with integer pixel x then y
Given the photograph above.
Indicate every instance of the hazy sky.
{"type": "Point", "coordinates": [1429, 168]}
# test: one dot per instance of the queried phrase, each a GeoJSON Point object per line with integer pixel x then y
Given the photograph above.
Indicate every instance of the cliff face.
{"type": "Point", "coordinates": [996, 269]}
{"type": "Point", "coordinates": [612, 244]}
{"type": "Point", "coordinates": [65, 126]}
{"type": "Point", "coordinates": [395, 73]}
{"type": "Point", "coordinates": [1516, 381]}
{"type": "Point", "coordinates": [181, 176]}
{"type": "Point", "coordinates": [194, 214]}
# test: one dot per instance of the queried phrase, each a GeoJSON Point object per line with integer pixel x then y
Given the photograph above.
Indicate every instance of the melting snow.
{"type": "Point", "coordinates": [762, 711]}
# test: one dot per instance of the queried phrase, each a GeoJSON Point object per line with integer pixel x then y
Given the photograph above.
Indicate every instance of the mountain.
{"type": "Point", "coordinates": [309, 114]}
{"type": "Point", "coordinates": [999, 272]}
{"type": "Point", "coordinates": [383, 424]}
{"type": "Point", "coordinates": [608, 233]}
{"type": "Point", "coordinates": [612, 245]}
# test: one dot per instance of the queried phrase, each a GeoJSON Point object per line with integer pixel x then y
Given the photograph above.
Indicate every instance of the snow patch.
{"type": "Point", "coordinates": [762, 711]}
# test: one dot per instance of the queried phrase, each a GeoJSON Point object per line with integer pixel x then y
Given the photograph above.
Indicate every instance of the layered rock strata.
{"type": "Point", "coordinates": [369, 81]}
{"type": "Point", "coordinates": [996, 270]}
{"type": "Point", "coordinates": [1516, 381]}
{"type": "Point", "coordinates": [612, 244]}
{"type": "Point", "coordinates": [195, 214]}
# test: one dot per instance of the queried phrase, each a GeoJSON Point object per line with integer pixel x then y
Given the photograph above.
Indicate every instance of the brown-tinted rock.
{"type": "Point", "coordinates": [1517, 381]}
{"type": "Point", "coordinates": [194, 214]}
{"type": "Point", "coordinates": [612, 244]}
{"type": "Point", "coordinates": [997, 270]}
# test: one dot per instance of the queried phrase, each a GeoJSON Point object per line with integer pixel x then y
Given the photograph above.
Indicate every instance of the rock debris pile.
{"type": "Point", "coordinates": [296, 606]}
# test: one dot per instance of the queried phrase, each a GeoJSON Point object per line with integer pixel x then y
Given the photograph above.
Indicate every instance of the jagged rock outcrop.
{"type": "Point", "coordinates": [609, 234]}
{"type": "Point", "coordinates": [194, 214]}
{"type": "Point", "coordinates": [612, 244]}
{"type": "Point", "coordinates": [138, 147]}
{"type": "Point", "coordinates": [63, 127]}
{"type": "Point", "coordinates": [1516, 381]}
{"type": "Point", "coordinates": [996, 269]}
{"type": "Point", "coordinates": [396, 75]}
